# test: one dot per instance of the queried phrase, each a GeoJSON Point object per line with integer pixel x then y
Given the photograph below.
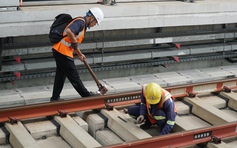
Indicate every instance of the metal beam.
{"type": "Point", "coordinates": [125, 41]}
{"type": "Point", "coordinates": [108, 67]}
{"type": "Point", "coordinates": [125, 56]}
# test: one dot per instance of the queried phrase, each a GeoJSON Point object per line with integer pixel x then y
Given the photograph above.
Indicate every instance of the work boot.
{"type": "Point", "coordinates": [125, 110]}
{"type": "Point", "coordinates": [146, 125]}
{"type": "Point", "coordinates": [58, 99]}
{"type": "Point", "coordinates": [97, 93]}
{"type": "Point", "coordinates": [96, 110]}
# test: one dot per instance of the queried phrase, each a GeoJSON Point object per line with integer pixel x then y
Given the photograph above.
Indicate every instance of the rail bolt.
{"type": "Point", "coordinates": [215, 139]}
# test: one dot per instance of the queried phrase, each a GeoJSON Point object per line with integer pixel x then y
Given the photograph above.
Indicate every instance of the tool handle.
{"type": "Point", "coordinates": [92, 73]}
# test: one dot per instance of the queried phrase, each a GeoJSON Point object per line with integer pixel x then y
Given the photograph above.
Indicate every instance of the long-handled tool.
{"type": "Point", "coordinates": [102, 89]}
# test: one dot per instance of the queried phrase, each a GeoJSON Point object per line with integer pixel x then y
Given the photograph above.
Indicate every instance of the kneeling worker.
{"type": "Point", "coordinates": [157, 107]}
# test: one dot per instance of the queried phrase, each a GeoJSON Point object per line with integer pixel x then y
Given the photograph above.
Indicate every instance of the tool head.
{"type": "Point", "coordinates": [102, 89]}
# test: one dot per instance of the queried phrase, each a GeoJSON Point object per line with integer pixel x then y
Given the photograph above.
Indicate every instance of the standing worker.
{"type": "Point", "coordinates": [63, 53]}
{"type": "Point", "coordinates": [157, 107]}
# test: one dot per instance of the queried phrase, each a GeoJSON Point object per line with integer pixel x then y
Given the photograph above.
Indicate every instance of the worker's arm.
{"type": "Point", "coordinates": [143, 110]}
{"type": "Point", "coordinates": [74, 44]}
{"type": "Point", "coordinates": [168, 107]}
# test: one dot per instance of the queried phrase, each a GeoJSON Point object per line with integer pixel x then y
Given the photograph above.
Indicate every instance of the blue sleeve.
{"type": "Point", "coordinates": [77, 26]}
{"type": "Point", "coordinates": [168, 108]}
{"type": "Point", "coordinates": [143, 110]}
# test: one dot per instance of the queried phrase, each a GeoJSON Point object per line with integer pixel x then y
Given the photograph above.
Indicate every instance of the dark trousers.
{"type": "Point", "coordinates": [65, 67]}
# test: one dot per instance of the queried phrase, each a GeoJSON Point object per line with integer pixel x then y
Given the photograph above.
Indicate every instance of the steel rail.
{"type": "Point", "coordinates": [186, 138]}
{"type": "Point", "coordinates": [99, 102]}
{"type": "Point", "coordinates": [53, 108]}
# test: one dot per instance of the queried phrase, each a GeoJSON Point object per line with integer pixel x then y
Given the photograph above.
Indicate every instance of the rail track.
{"type": "Point", "coordinates": [206, 117]}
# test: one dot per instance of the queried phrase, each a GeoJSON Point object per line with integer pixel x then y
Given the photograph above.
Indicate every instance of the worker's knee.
{"type": "Point", "coordinates": [134, 111]}
{"type": "Point", "coordinates": [159, 114]}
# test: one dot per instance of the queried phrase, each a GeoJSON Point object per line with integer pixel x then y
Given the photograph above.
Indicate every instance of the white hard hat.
{"type": "Point", "coordinates": [98, 14]}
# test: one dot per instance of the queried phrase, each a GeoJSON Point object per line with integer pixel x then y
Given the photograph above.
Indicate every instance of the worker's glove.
{"type": "Point", "coordinates": [140, 119]}
{"type": "Point", "coordinates": [74, 46]}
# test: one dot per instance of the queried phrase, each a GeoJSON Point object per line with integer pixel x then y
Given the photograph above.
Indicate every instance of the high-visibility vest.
{"type": "Point", "coordinates": [64, 46]}
{"type": "Point", "coordinates": [164, 96]}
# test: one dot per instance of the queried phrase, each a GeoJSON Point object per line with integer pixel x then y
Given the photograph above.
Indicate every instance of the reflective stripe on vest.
{"type": "Point", "coordinates": [77, 37]}
{"type": "Point", "coordinates": [64, 46]}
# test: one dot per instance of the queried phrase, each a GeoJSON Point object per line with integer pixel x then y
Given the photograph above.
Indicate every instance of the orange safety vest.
{"type": "Point", "coordinates": [64, 46]}
{"type": "Point", "coordinates": [164, 96]}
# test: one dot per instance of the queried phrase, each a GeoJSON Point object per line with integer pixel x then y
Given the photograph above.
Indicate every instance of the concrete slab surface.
{"type": "Point", "coordinates": [217, 73]}
{"type": "Point", "coordinates": [107, 137]}
{"type": "Point", "coordinates": [219, 145]}
{"type": "Point", "coordinates": [95, 123]}
{"type": "Point", "coordinates": [232, 141]}
{"type": "Point", "coordinates": [230, 112]}
{"type": "Point", "coordinates": [190, 122]}
{"type": "Point", "coordinates": [92, 86]}
{"type": "Point", "coordinates": [10, 98]}
{"type": "Point", "coordinates": [182, 108]}
{"type": "Point", "coordinates": [214, 101]}
{"type": "Point", "coordinates": [75, 135]}
{"type": "Point", "coordinates": [53, 142]}
{"type": "Point", "coordinates": [145, 79]}
{"type": "Point", "coordinates": [128, 131]}
{"type": "Point", "coordinates": [18, 134]}
{"type": "Point", "coordinates": [232, 99]}
{"type": "Point", "coordinates": [173, 78]}
{"type": "Point", "coordinates": [34, 95]}
{"type": "Point", "coordinates": [41, 129]}
{"type": "Point", "coordinates": [123, 84]}
{"type": "Point", "coordinates": [231, 69]}
{"type": "Point", "coordinates": [67, 93]}
{"type": "Point", "coordinates": [80, 122]}
{"type": "Point", "coordinates": [195, 75]}
{"type": "Point", "coordinates": [208, 112]}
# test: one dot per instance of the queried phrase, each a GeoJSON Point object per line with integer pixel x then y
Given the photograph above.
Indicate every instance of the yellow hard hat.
{"type": "Point", "coordinates": [153, 93]}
